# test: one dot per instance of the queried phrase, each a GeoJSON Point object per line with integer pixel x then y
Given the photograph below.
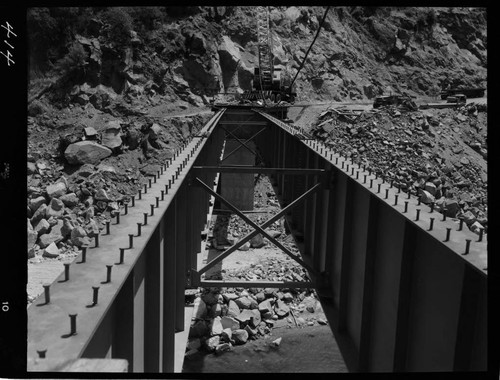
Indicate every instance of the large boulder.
{"type": "Point", "coordinates": [281, 309]}
{"type": "Point", "coordinates": [230, 323]}
{"type": "Point", "coordinates": [36, 203]}
{"type": "Point", "coordinates": [39, 214]}
{"type": "Point", "coordinates": [212, 342]}
{"type": "Point", "coordinates": [426, 197]}
{"type": "Point", "coordinates": [32, 236]}
{"type": "Point", "coordinates": [42, 227]}
{"type": "Point", "coordinates": [245, 302]}
{"type": "Point", "coordinates": [56, 190]}
{"type": "Point", "coordinates": [51, 251]}
{"type": "Point", "coordinates": [233, 309]}
{"type": "Point", "coordinates": [240, 336]}
{"type": "Point", "coordinates": [216, 326]}
{"type": "Point", "coordinates": [257, 241]}
{"type": "Point", "coordinates": [69, 200]}
{"type": "Point", "coordinates": [86, 152]}
{"type": "Point", "coordinates": [245, 316]}
{"type": "Point", "coordinates": [67, 227]}
{"type": "Point", "coordinates": [79, 237]}
{"type": "Point", "coordinates": [111, 136]}
{"type": "Point", "coordinates": [452, 207]}
{"type": "Point", "coordinates": [55, 209]}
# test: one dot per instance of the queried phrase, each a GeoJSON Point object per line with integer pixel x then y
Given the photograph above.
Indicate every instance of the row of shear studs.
{"type": "Point", "coordinates": [324, 149]}
{"type": "Point", "coordinates": [95, 289]}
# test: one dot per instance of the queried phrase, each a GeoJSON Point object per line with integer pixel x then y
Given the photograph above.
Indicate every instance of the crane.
{"type": "Point", "coordinates": [269, 82]}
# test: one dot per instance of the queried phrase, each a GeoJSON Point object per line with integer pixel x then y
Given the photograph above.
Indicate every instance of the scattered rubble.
{"type": "Point", "coordinates": [428, 152]}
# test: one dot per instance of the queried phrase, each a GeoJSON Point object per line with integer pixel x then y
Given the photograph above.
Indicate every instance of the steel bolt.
{"type": "Point", "coordinates": [150, 181]}
{"type": "Point", "coordinates": [481, 231]}
{"type": "Point", "coordinates": [371, 183]}
{"type": "Point", "coordinates": [386, 193]}
{"type": "Point", "coordinates": [72, 318]}
{"type": "Point", "coordinates": [133, 200]}
{"type": "Point", "coordinates": [461, 225]}
{"type": "Point", "coordinates": [145, 219]}
{"type": "Point", "coordinates": [444, 214]}
{"type": "Point", "coordinates": [161, 169]}
{"type": "Point", "coordinates": [343, 164]}
{"type": "Point", "coordinates": [357, 174]}
{"type": "Point", "coordinates": [157, 201]}
{"type": "Point", "coordinates": [145, 188]}
{"type": "Point", "coordinates": [140, 194]}
{"type": "Point", "coordinates": [409, 194]}
{"type": "Point", "coordinates": [432, 206]}
{"type": "Point", "coordinates": [139, 229]}
{"type": "Point", "coordinates": [448, 231]}
{"type": "Point", "coordinates": [41, 353]}
{"type": "Point", "coordinates": [392, 183]}
{"type": "Point", "coordinates": [107, 227]}
{"type": "Point", "coordinates": [126, 208]}
{"type": "Point", "coordinates": [395, 199]}
{"type": "Point", "coordinates": [95, 295]}
{"type": "Point", "coordinates": [419, 201]}
{"type": "Point", "coordinates": [152, 209]}
{"type": "Point", "coordinates": [46, 290]}
{"type": "Point", "coordinates": [131, 241]}
{"type": "Point", "coordinates": [96, 239]}
{"type": "Point", "coordinates": [118, 217]}
{"type": "Point", "coordinates": [432, 224]}
{"type": "Point", "coordinates": [378, 187]}
{"type": "Point", "coordinates": [108, 272]}
{"type": "Point", "coordinates": [162, 195]}
{"type": "Point", "coordinates": [399, 189]}
{"type": "Point", "coordinates": [418, 214]}
{"type": "Point", "coordinates": [122, 255]}
{"type": "Point", "coordinates": [336, 160]}
{"type": "Point", "coordinates": [467, 246]}
{"type": "Point", "coordinates": [84, 254]}
{"type": "Point", "coordinates": [406, 206]}
{"type": "Point", "coordinates": [166, 188]}
{"type": "Point", "coordinates": [66, 271]}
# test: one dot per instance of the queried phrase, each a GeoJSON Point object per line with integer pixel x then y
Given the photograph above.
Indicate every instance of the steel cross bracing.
{"type": "Point", "coordinates": [62, 321]}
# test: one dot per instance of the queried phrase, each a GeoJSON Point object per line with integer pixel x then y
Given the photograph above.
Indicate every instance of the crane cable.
{"type": "Point", "coordinates": [310, 47]}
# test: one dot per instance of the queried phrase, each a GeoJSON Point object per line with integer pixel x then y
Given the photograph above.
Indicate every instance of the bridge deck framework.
{"type": "Point", "coordinates": [401, 293]}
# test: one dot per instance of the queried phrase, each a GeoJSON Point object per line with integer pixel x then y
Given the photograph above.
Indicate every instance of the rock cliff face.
{"type": "Point", "coordinates": [361, 51]}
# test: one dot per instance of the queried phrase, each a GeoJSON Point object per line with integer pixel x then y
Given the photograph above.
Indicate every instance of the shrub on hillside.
{"type": "Point", "coordinates": [119, 24]}
{"type": "Point", "coordinates": [73, 65]}
{"type": "Point", "coordinates": [146, 17]}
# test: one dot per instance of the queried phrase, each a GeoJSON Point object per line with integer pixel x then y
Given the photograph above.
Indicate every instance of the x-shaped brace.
{"type": "Point", "coordinates": [242, 143]}
{"type": "Point", "coordinates": [257, 228]}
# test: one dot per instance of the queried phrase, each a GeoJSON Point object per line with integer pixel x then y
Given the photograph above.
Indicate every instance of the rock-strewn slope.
{"type": "Point", "coordinates": [438, 153]}
{"type": "Point", "coordinates": [190, 52]}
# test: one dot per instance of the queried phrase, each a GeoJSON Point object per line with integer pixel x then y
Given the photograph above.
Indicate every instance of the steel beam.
{"type": "Point", "coordinates": [259, 169]}
{"type": "Point", "coordinates": [259, 284]}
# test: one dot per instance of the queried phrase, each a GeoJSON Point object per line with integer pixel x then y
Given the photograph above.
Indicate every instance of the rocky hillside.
{"type": "Point", "coordinates": [113, 91]}
{"type": "Point", "coordinates": [190, 52]}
